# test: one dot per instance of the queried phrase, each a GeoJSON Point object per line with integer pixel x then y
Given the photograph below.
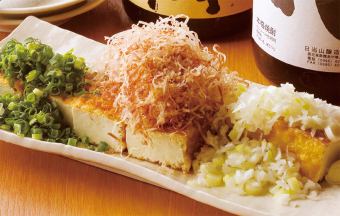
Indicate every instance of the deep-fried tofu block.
{"type": "Point", "coordinates": [171, 149]}
{"type": "Point", "coordinates": [89, 121]}
{"type": "Point", "coordinates": [315, 154]}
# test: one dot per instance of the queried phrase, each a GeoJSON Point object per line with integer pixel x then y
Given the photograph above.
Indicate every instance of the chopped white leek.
{"type": "Point", "coordinates": [2, 110]}
{"type": "Point", "coordinates": [260, 107]}
{"type": "Point", "coordinates": [253, 167]}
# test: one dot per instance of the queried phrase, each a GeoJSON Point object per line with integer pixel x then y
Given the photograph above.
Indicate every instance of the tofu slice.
{"type": "Point", "coordinates": [174, 150]}
{"type": "Point", "coordinates": [315, 154]}
{"type": "Point", "coordinates": [89, 121]}
{"type": "Point", "coordinates": [4, 87]}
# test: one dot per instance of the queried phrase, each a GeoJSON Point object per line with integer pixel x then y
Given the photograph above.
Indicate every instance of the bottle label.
{"type": "Point", "coordinates": [302, 33]}
{"type": "Point", "coordinates": [196, 9]}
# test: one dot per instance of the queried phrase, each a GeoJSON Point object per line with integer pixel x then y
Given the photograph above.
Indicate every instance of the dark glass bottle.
{"type": "Point", "coordinates": [313, 39]}
{"type": "Point", "coordinates": [209, 18]}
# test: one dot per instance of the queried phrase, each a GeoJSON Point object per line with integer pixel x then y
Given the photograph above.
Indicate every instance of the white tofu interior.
{"type": "Point", "coordinates": [93, 124]}
{"type": "Point", "coordinates": [99, 128]}
{"type": "Point", "coordinates": [170, 149]}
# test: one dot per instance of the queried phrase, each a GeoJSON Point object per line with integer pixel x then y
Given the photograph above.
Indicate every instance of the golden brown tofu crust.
{"type": "Point", "coordinates": [310, 151]}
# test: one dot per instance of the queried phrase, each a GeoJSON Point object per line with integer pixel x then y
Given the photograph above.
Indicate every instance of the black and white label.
{"type": "Point", "coordinates": [303, 33]}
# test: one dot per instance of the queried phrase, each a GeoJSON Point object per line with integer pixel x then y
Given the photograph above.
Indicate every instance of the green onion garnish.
{"type": "Point", "coordinates": [42, 73]}
{"type": "Point", "coordinates": [38, 136]}
{"type": "Point", "coordinates": [102, 147]}
{"type": "Point", "coordinates": [72, 142]}
{"type": "Point", "coordinates": [37, 66]}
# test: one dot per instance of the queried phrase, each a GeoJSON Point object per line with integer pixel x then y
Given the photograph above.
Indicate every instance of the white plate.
{"type": "Point", "coordinates": [44, 7]}
{"type": "Point", "coordinates": [62, 41]}
{"type": "Point", "coordinates": [8, 24]}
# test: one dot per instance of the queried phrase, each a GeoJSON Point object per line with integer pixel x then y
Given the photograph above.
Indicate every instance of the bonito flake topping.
{"type": "Point", "coordinates": [169, 80]}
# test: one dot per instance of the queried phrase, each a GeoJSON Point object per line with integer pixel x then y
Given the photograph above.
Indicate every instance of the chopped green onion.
{"type": "Point", "coordinates": [41, 117]}
{"type": "Point", "coordinates": [72, 142]}
{"type": "Point", "coordinates": [5, 127]}
{"type": "Point", "coordinates": [68, 87]}
{"type": "Point", "coordinates": [57, 126]}
{"type": "Point", "coordinates": [31, 97]}
{"type": "Point", "coordinates": [37, 66]}
{"type": "Point", "coordinates": [32, 75]}
{"type": "Point", "coordinates": [36, 130]}
{"type": "Point", "coordinates": [38, 92]}
{"type": "Point", "coordinates": [53, 133]}
{"type": "Point", "coordinates": [17, 129]}
{"type": "Point", "coordinates": [11, 106]}
{"type": "Point", "coordinates": [2, 110]}
{"type": "Point", "coordinates": [85, 140]}
{"type": "Point", "coordinates": [42, 73]}
{"type": "Point", "coordinates": [79, 64]}
{"type": "Point", "coordinates": [102, 147]}
{"type": "Point", "coordinates": [38, 136]}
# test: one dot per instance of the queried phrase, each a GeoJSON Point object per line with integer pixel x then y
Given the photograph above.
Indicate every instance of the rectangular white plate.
{"type": "Point", "coordinates": [62, 40]}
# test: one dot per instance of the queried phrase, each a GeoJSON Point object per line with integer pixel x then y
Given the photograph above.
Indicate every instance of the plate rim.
{"type": "Point", "coordinates": [39, 9]}
{"type": "Point", "coordinates": [89, 5]}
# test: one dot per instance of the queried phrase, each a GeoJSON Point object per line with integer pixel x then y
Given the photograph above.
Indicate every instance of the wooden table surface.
{"type": "Point", "coordinates": [36, 183]}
